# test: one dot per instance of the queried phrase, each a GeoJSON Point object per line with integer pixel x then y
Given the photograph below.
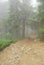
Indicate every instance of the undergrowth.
{"type": "Point", "coordinates": [5, 43]}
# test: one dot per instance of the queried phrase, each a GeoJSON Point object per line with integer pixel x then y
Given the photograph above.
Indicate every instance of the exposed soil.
{"type": "Point", "coordinates": [25, 52]}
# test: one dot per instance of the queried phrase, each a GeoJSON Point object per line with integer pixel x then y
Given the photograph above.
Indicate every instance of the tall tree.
{"type": "Point", "coordinates": [41, 18]}
{"type": "Point", "coordinates": [19, 13]}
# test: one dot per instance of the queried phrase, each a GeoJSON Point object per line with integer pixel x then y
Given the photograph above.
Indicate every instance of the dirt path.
{"type": "Point", "coordinates": [23, 53]}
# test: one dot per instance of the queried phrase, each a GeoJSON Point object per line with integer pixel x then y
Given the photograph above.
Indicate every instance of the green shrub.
{"type": "Point", "coordinates": [41, 33]}
{"type": "Point", "coordinates": [5, 43]}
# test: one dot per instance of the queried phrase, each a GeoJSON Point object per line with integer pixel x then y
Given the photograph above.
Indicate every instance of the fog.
{"type": "Point", "coordinates": [18, 18]}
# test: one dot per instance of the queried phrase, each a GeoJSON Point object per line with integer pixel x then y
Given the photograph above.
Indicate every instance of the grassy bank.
{"type": "Point", "coordinates": [5, 43]}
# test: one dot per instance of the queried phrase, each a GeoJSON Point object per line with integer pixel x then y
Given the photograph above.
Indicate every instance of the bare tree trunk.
{"type": "Point", "coordinates": [23, 33]}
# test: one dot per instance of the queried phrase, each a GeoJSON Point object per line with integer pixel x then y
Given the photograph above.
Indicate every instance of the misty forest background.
{"type": "Point", "coordinates": [19, 19]}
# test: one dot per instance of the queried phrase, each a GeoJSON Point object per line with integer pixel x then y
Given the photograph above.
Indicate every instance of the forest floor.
{"type": "Point", "coordinates": [25, 52]}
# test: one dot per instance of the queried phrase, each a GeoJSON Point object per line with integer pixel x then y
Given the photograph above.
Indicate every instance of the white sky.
{"type": "Point", "coordinates": [21, 1]}
{"type": "Point", "coordinates": [3, 0]}
{"type": "Point", "coordinates": [34, 3]}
